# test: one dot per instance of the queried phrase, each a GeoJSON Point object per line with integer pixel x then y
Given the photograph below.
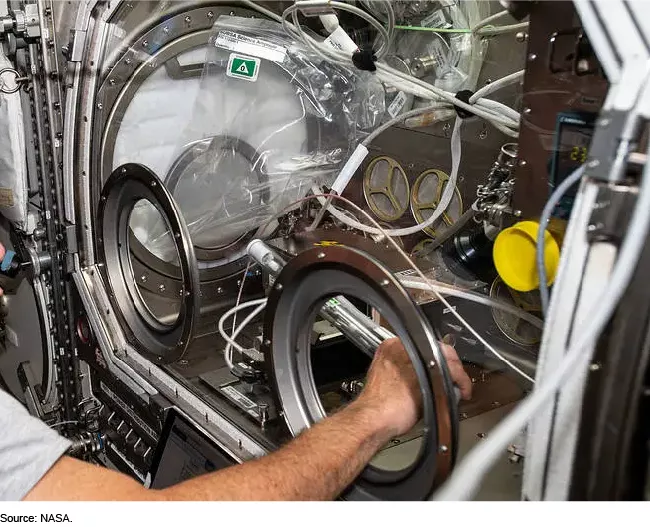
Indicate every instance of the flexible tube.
{"type": "Point", "coordinates": [513, 78]}
{"type": "Point", "coordinates": [490, 19]}
{"type": "Point", "coordinates": [555, 198]}
{"type": "Point", "coordinates": [479, 299]}
{"type": "Point", "coordinates": [230, 340]}
{"type": "Point", "coordinates": [500, 30]}
{"type": "Point", "coordinates": [445, 199]}
{"type": "Point", "coordinates": [465, 480]}
{"type": "Point", "coordinates": [387, 74]}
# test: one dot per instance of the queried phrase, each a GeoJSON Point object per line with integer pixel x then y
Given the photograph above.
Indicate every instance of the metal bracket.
{"type": "Point", "coordinates": [31, 389]}
{"type": "Point", "coordinates": [611, 214]}
{"type": "Point", "coordinates": [75, 47]}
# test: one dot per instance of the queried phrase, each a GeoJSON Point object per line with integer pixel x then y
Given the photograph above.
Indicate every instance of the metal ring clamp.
{"type": "Point", "coordinates": [18, 80]}
{"type": "Point", "coordinates": [304, 285]}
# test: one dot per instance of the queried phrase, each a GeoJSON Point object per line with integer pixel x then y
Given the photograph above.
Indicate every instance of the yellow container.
{"type": "Point", "coordinates": [514, 256]}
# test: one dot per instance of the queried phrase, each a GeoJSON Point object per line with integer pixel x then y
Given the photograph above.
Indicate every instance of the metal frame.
{"type": "Point", "coordinates": [126, 186]}
{"type": "Point", "coordinates": [619, 36]}
{"type": "Point", "coordinates": [298, 294]}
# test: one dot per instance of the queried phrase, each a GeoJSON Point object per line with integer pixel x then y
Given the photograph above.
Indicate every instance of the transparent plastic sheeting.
{"type": "Point", "coordinates": [269, 120]}
{"type": "Point", "coordinates": [13, 168]}
{"type": "Point", "coordinates": [450, 61]}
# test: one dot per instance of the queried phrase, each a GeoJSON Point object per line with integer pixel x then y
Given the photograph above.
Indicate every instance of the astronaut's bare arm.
{"type": "Point", "coordinates": [318, 465]}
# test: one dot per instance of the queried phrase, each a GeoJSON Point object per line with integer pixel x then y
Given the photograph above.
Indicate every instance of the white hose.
{"type": "Point", "coordinates": [466, 478]}
{"type": "Point", "coordinates": [230, 339]}
{"type": "Point", "coordinates": [445, 199]}
{"type": "Point", "coordinates": [475, 297]}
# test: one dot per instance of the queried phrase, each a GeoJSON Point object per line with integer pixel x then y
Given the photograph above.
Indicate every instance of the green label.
{"type": "Point", "coordinates": [332, 302]}
{"type": "Point", "coordinates": [243, 67]}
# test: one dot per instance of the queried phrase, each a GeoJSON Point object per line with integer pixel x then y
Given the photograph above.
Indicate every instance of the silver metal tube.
{"type": "Point", "coordinates": [362, 331]}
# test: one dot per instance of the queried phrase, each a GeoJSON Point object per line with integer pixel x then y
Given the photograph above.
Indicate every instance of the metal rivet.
{"type": "Point", "coordinates": [528, 111]}
{"type": "Point", "coordinates": [521, 36]}
{"type": "Point", "coordinates": [604, 122]}
{"type": "Point", "coordinates": [480, 435]}
{"type": "Point", "coordinates": [162, 288]}
{"type": "Point", "coordinates": [143, 278]}
{"type": "Point", "coordinates": [145, 43]}
{"type": "Point", "coordinates": [165, 30]}
{"type": "Point", "coordinates": [385, 282]}
{"type": "Point", "coordinates": [321, 255]}
{"type": "Point", "coordinates": [219, 290]}
{"type": "Point", "coordinates": [153, 184]}
{"type": "Point", "coordinates": [99, 105]}
{"type": "Point", "coordinates": [188, 19]}
{"type": "Point", "coordinates": [594, 367]}
{"type": "Point", "coordinates": [444, 448]}
{"type": "Point", "coordinates": [532, 57]}
{"type": "Point", "coordinates": [111, 82]}
{"type": "Point", "coordinates": [210, 14]}
{"type": "Point", "coordinates": [593, 163]}
{"type": "Point", "coordinates": [278, 286]}
{"type": "Point", "coordinates": [432, 363]}
{"type": "Point", "coordinates": [267, 342]}
{"type": "Point", "coordinates": [522, 163]}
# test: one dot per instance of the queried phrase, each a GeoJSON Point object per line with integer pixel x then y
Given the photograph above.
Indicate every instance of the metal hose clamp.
{"type": "Point", "coordinates": [18, 80]}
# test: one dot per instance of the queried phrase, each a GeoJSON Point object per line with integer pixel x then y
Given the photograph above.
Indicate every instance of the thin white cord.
{"type": "Point", "coordinates": [466, 478]}
{"type": "Point", "coordinates": [445, 200]}
{"type": "Point", "coordinates": [555, 198]}
{"type": "Point", "coordinates": [230, 339]}
{"type": "Point", "coordinates": [477, 298]}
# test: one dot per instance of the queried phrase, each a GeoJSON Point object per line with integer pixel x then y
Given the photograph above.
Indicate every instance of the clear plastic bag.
{"type": "Point", "coordinates": [270, 120]}
{"type": "Point", "coordinates": [450, 61]}
{"type": "Point", "coordinates": [13, 164]}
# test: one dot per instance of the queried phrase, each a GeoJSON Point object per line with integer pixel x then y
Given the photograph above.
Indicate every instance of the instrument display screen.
{"type": "Point", "coordinates": [184, 452]}
{"type": "Point", "coordinates": [571, 149]}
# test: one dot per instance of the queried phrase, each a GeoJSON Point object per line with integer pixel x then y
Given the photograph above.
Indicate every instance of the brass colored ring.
{"type": "Point", "coordinates": [394, 170]}
{"type": "Point", "coordinates": [418, 206]}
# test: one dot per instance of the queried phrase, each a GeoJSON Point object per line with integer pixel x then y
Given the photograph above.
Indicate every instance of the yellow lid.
{"type": "Point", "coordinates": [514, 256]}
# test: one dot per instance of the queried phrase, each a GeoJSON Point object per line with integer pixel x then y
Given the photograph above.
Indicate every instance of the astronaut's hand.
{"type": "Point", "coordinates": [392, 387]}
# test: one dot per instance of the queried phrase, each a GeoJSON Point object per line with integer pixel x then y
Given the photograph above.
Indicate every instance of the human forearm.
{"type": "Point", "coordinates": [318, 465]}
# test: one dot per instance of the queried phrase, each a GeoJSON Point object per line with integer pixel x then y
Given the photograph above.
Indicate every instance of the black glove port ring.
{"type": "Point", "coordinates": [303, 286]}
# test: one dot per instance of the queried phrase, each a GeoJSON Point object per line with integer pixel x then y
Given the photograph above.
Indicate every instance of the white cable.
{"type": "Point", "coordinates": [555, 198]}
{"type": "Point", "coordinates": [399, 79]}
{"type": "Point", "coordinates": [513, 78]}
{"type": "Point", "coordinates": [500, 30]}
{"type": "Point", "coordinates": [230, 340]}
{"type": "Point", "coordinates": [475, 297]}
{"type": "Point", "coordinates": [426, 287]}
{"type": "Point", "coordinates": [445, 199]}
{"type": "Point", "coordinates": [490, 19]}
{"type": "Point", "coordinates": [466, 478]}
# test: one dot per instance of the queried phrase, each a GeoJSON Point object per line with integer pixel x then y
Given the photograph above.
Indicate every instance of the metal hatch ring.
{"type": "Point", "coordinates": [127, 185]}
{"type": "Point", "coordinates": [303, 286]}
